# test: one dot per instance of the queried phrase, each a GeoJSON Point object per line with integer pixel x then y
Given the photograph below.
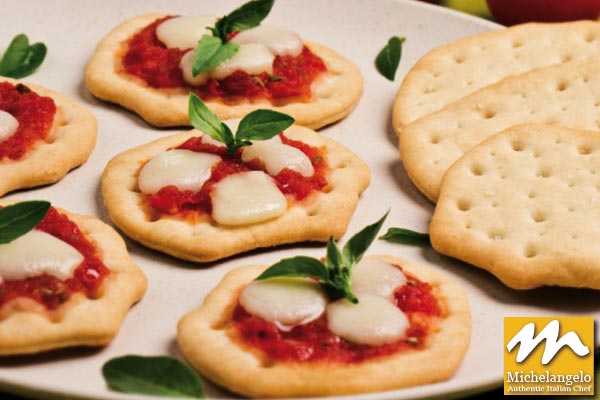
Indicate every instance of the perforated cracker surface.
{"type": "Point", "coordinates": [525, 205]}
{"type": "Point", "coordinates": [459, 68]}
{"type": "Point", "coordinates": [567, 94]}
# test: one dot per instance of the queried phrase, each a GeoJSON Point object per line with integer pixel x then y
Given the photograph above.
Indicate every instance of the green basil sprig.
{"type": "Point", "coordinates": [335, 273]}
{"type": "Point", "coordinates": [157, 376]}
{"type": "Point", "coordinates": [406, 236]}
{"type": "Point", "coordinates": [257, 125]}
{"type": "Point", "coordinates": [20, 58]}
{"type": "Point", "coordinates": [18, 219]}
{"type": "Point", "coordinates": [388, 59]}
{"type": "Point", "coordinates": [213, 50]}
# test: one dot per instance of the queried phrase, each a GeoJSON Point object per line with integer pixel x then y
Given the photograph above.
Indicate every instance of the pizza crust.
{"type": "Point", "coordinates": [208, 344]}
{"type": "Point", "coordinates": [335, 93]}
{"type": "Point", "coordinates": [315, 218]}
{"type": "Point", "coordinates": [68, 145]}
{"type": "Point", "coordinates": [79, 321]}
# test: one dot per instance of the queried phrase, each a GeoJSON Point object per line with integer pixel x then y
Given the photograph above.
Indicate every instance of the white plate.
{"type": "Point", "coordinates": [356, 28]}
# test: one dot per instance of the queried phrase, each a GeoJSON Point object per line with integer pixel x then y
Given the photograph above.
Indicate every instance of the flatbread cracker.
{"type": "Point", "coordinates": [205, 337]}
{"type": "Point", "coordinates": [315, 218]}
{"type": "Point", "coordinates": [523, 205]}
{"type": "Point", "coordinates": [335, 92]}
{"type": "Point", "coordinates": [567, 94]}
{"type": "Point", "coordinates": [28, 327]}
{"type": "Point", "coordinates": [459, 68]}
{"type": "Point", "coordinates": [68, 145]}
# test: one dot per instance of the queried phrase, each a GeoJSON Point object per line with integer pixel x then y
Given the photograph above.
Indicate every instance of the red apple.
{"type": "Point", "coordinates": [510, 12]}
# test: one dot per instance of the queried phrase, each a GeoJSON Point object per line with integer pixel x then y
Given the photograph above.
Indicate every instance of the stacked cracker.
{"type": "Point", "coordinates": [517, 200]}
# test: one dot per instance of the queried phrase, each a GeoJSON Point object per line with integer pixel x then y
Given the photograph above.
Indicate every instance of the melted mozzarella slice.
{"type": "Point", "coordinates": [186, 64]}
{"type": "Point", "coordinates": [373, 321]}
{"type": "Point", "coordinates": [37, 253]}
{"type": "Point", "coordinates": [285, 301]}
{"type": "Point", "coordinates": [253, 58]}
{"type": "Point", "coordinates": [185, 169]}
{"type": "Point", "coordinates": [184, 32]}
{"type": "Point", "coordinates": [277, 156]}
{"type": "Point", "coordinates": [247, 198]}
{"type": "Point", "coordinates": [8, 125]}
{"type": "Point", "coordinates": [279, 40]}
{"type": "Point", "coordinates": [372, 275]}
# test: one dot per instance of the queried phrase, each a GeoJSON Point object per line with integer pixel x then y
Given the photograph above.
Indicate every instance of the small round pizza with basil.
{"type": "Point", "coordinates": [43, 135]}
{"type": "Point", "coordinates": [199, 199]}
{"type": "Point", "coordinates": [65, 279]}
{"type": "Point", "coordinates": [150, 63]}
{"type": "Point", "coordinates": [292, 336]}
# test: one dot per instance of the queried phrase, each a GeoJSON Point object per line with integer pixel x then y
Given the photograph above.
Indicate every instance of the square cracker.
{"type": "Point", "coordinates": [452, 71]}
{"type": "Point", "coordinates": [524, 205]}
{"type": "Point", "coordinates": [566, 94]}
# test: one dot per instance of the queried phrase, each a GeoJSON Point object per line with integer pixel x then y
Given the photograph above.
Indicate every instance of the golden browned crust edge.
{"type": "Point", "coordinates": [337, 92]}
{"type": "Point", "coordinates": [406, 109]}
{"type": "Point", "coordinates": [220, 358]}
{"type": "Point", "coordinates": [314, 219]}
{"type": "Point", "coordinates": [89, 322]}
{"type": "Point", "coordinates": [71, 142]}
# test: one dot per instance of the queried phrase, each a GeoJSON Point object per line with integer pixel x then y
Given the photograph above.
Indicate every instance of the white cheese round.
{"type": "Point", "coordinates": [37, 253]}
{"type": "Point", "coordinates": [246, 198]}
{"type": "Point", "coordinates": [8, 125]}
{"type": "Point", "coordinates": [184, 32]}
{"type": "Point", "coordinates": [373, 321]}
{"type": "Point", "coordinates": [253, 58]}
{"type": "Point", "coordinates": [372, 275]}
{"type": "Point", "coordinates": [277, 156]}
{"type": "Point", "coordinates": [287, 302]}
{"type": "Point", "coordinates": [185, 169]}
{"type": "Point", "coordinates": [186, 65]}
{"type": "Point", "coordinates": [279, 40]}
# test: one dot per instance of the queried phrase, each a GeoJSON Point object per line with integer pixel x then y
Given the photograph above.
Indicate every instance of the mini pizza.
{"type": "Point", "coordinates": [145, 65]}
{"type": "Point", "coordinates": [185, 195]}
{"type": "Point", "coordinates": [43, 135]}
{"type": "Point", "coordinates": [68, 282]}
{"type": "Point", "coordinates": [284, 337]}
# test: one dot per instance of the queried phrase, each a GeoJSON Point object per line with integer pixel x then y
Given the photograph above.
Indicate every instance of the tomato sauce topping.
{"type": "Point", "coordinates": [49, 290]}
{"type": "Point", "coordinates": [170, 200]}
{"type": "Point", "coordinates": [35, 114]}
{"type": "Point", "coordinates": [149, 59]}
{"type": "Point", "coordinates": [314, 341]}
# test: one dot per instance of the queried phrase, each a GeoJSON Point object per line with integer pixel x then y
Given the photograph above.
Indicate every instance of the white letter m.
{"type": "Point", "coordinates": [550, 334]}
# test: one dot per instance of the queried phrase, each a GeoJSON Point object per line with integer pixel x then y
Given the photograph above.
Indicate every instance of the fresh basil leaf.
{"type": "Point", "coordinates": [203, 119]}
{"type": "Point", "coordinates": [15, 54]}
{"type": "Point", "coordinates": [360, 242]}
{"type": "Point", "coordinates": [406, 236]}
{"type": "Point", "coordinates": [388, 59]}
{"type": "Point", "coordinates": [245, 17]}
{"type": "Point", "coordinates": [262, 125]}
{"type": "Point", "coordinates": [157, 376]}
{"type": "Point", "coordinates": [35, 57]}
{"type": "Point", "coordinates": [18, 219]}
{"type": "Point", "coordinates": [210, 52]}
{"type": "Point", "coordinates": [333, 261]}
{"type": "Point", "coordinates": [299, 267]}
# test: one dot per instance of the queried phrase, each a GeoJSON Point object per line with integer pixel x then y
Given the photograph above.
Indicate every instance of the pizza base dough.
{"type": "Point", "coordinates": [315, 218]}
{"type": "Point", "coordinates": [335, 93]}
{"type": "Point", "coordinates": [68, 145]}
{"type": "Point", "coordinates": [206, 340]}
{"type": "Point", "coordinates": [29, 327]}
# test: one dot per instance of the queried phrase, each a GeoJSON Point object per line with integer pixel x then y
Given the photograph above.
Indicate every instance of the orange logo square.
{"type": "Point", "coordinates": [548, 355]}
